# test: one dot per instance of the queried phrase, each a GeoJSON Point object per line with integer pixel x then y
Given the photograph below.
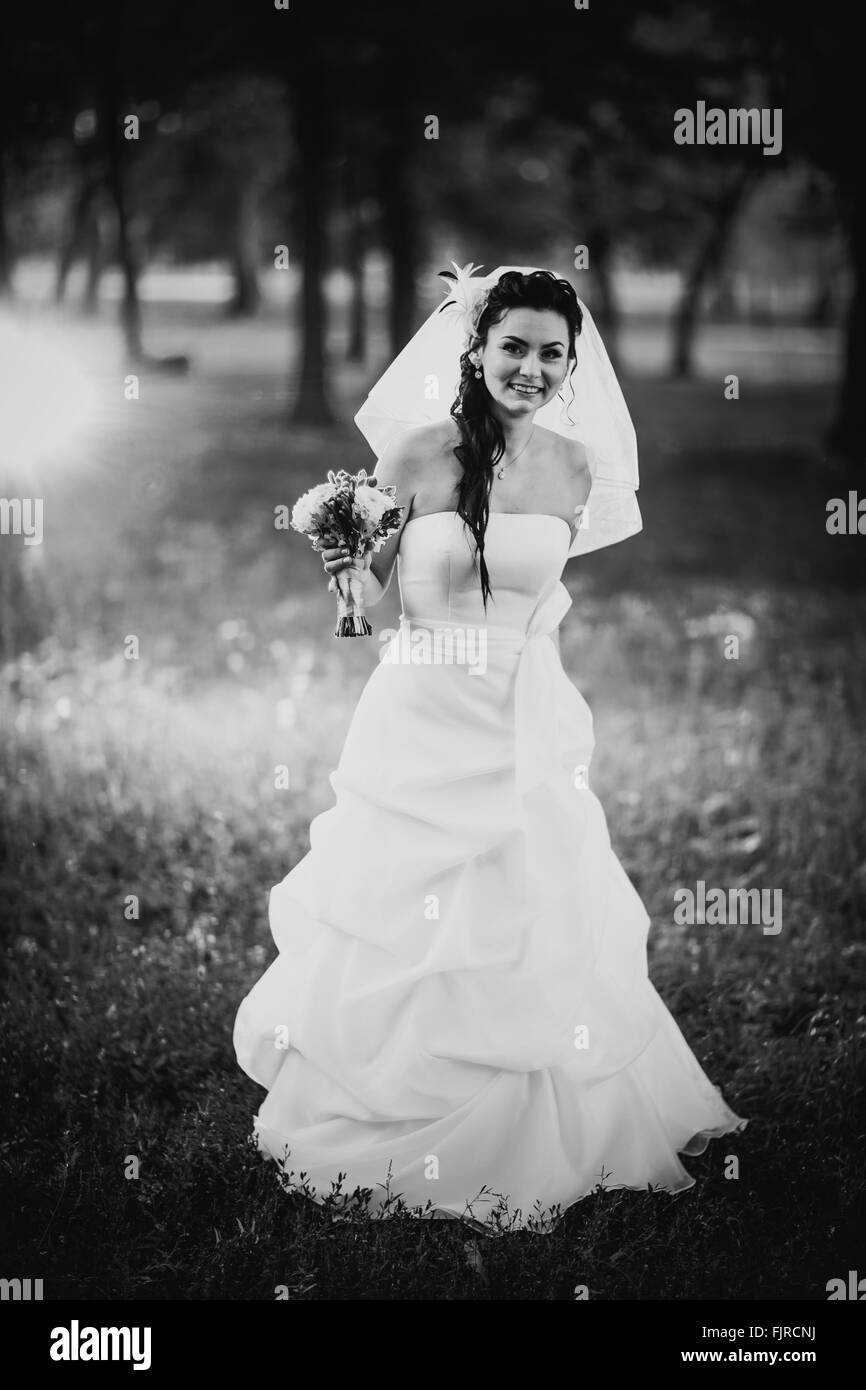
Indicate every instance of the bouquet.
{"type": "Point", "coordinates": [348, 510]}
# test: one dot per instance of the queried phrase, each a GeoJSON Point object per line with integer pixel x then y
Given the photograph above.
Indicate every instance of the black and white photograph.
{"type": "Point", "coordinates": [432, 664]}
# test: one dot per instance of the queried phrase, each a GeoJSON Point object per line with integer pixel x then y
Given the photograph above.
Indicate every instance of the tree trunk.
{"type": "Point", "coordinates": [130, 309]}
{"type": "Point", "coordinates": [352, 190]}
{"type": "Point", "coordinates": [847, 433]}
{"type": "Point", "coordinates": [356, 350]}
{"type": "Point", "coordinates": [117, 151]}
{"type": "Point", "coordinates": [819, 311]}
{"type": "Point", "coordinates": [246, 299]}
{"type": "Point", "coordinates": [6, 252]}
{"type": "Point", "coordinates": [707, 263]}
{"type": "Point", "coordinates": [399, 225]}
{"type": "Point", "coordinates": [77, 228]}
{"type": "Point", "coordinates": [94, 250]}
{"type": "Point", "coordinates": [607, 313]}
{"type": "Point", "coordinates": [313, 140]}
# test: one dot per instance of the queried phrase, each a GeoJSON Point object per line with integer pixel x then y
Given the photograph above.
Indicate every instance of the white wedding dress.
{"type": "Point", "coordinates": [460, 1013]}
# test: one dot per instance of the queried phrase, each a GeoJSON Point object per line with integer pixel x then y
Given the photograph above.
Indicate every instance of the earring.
{"type": "Point", "coordinates": [478, 371]}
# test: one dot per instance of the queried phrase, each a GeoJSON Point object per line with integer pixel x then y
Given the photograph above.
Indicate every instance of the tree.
{"type": "Point", "coordinates": [313, 134]}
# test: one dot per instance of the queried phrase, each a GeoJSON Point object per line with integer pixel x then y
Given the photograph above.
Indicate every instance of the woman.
{"type": "Point", "coordinates": [460, 1012]}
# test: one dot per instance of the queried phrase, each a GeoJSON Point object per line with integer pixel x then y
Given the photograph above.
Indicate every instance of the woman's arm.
{"type": "Point", "coordinates": [395, 466]}
{"type": "Point", "coordinates": [580, 483]}
{"type": "Point", "coordinates": [395, 469]}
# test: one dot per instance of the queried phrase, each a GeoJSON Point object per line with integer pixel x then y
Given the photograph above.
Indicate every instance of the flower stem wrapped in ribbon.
{"type": "Point", "coordinates": [348, 510]}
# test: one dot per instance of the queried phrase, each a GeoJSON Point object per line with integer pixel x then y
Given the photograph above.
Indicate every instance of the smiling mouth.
{"type": "Point", "coordinates": [525, 390]}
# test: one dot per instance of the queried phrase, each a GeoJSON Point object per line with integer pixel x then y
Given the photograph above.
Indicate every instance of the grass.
{"type": "Point", "coordinates": [155, 778]}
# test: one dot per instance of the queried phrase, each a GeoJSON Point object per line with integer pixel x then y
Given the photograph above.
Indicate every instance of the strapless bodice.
{"type": "Point", "coordinates": [440, 589]}
{"type": "Point", "coordinates": [525, 554]}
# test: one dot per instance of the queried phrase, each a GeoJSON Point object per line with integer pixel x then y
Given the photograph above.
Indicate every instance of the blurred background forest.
{"type": "Point", "coordinates": [218, 223]}
{"type": "Point", "coordinates": [159, 155]}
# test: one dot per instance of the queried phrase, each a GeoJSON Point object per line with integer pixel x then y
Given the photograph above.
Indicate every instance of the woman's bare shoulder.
{"type": "Point", "coordinates": [409, 457]}
{"type": "Point", "coordinates": [422, 442]}
{"type": "Point", "coordinates": [575, 460]}
{"type": "Point", "coordinates": [564, 447]}
{"type": "Point", "coordinates": [436, 438]}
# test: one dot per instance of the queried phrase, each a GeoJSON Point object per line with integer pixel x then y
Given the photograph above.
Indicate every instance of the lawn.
{"type": "Point", "coordinates": [155, 778]}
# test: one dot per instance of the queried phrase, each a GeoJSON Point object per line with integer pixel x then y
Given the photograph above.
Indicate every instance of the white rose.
{"type": "Point", "coordinates": [369, 506]}
{"type": "Point", "coordinates": [312, 509]}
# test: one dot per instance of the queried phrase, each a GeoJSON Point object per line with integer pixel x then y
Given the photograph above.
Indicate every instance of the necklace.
{"type": "Point", "coordinates": [501, 470]}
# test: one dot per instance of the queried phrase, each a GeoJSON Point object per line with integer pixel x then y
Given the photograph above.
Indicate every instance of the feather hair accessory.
{"type": "Point", "coordinates": [468, 294]}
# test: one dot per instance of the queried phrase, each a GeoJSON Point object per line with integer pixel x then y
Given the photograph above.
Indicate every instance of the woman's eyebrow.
{"type": "Point", "coordinates": [514, 338]}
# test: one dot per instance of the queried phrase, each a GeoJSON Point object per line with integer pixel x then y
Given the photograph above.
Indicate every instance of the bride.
{"type": "Point", "coordinates": [460, 1013]}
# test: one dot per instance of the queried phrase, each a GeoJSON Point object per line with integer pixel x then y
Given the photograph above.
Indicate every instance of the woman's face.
{"type": "Point", "coordinates": [525, 359]}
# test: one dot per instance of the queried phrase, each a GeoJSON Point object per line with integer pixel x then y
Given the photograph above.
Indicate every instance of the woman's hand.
{"type": "Point", "coordinates": [338, 561]}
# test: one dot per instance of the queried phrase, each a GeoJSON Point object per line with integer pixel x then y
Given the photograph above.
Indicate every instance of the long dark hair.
{"type": "Point", "coordinates": [482, 437]}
